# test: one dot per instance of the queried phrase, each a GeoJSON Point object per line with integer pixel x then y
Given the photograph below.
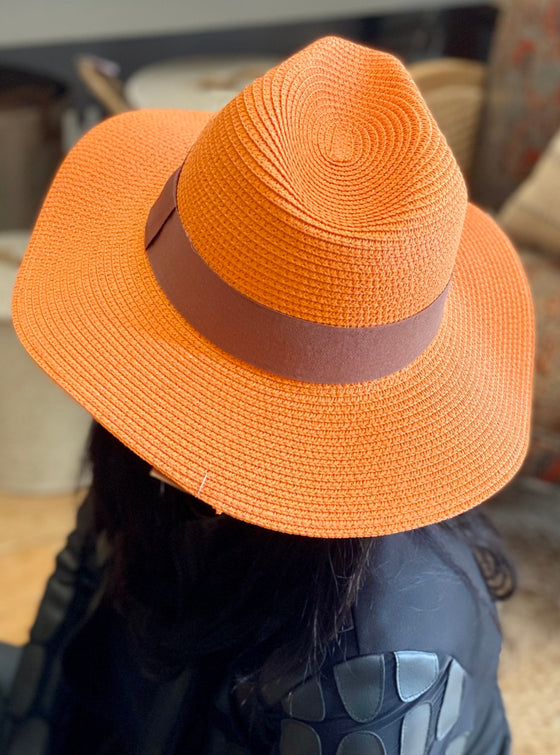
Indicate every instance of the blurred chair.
{"type": "Point", "coordinates": [101, 78]}
{"type": "Point", "coordinates": [204, 83]}
{"type": "Point", "coordinates": [454, 90]}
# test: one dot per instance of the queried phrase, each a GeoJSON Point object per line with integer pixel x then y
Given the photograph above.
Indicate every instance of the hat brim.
{"type": "Point", "coordinates": [416, 447]}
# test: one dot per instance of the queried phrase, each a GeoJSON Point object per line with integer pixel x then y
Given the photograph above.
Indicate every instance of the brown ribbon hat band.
{"type": "Point", "coordinates": [266, 338]}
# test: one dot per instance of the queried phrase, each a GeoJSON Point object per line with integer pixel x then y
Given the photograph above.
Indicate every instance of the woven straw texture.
{"type": "Point", "coordinates": [326, 191]}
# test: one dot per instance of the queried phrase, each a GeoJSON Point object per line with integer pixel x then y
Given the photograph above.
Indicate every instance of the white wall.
{"type": "Point", "coordinates": [30, 22]}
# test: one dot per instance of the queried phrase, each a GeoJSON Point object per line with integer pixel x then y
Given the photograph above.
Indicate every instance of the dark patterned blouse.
{"type": "Point", "coordinates": [415, 673]}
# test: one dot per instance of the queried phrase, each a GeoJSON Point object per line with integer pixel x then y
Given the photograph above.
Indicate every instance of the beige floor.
{"type": "Point", "coordinates": [528, 515]}
{"type": "Point", "coordinates": [33, 530]}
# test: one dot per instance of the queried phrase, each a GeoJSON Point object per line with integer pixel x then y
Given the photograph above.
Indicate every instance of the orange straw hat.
{"type": "Point", "coordinates": [289, 308]}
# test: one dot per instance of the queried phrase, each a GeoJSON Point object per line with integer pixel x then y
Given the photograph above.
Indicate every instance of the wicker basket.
{"type": "Point", "coordinates": [42, 430]}
{"type": "Point", "coordinates": [31, 111]}
{"type": "Point", "coordinates": [454, 91]}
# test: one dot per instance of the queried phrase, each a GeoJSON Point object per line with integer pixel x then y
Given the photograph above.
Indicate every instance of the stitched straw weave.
{"type": "Point", "coordinates": [325, 191]}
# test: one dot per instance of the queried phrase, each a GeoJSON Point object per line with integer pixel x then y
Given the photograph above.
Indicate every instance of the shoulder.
{"type": "Point", "coordinates": [407, 702]}
{"type": "Point", "coordinates": [424, 591]}
{"type": "Point", "coordinates": [416, 670]}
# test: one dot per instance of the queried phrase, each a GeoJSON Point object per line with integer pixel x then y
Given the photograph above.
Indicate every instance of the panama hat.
{"type": "Point", "coordinates": [288, 308]}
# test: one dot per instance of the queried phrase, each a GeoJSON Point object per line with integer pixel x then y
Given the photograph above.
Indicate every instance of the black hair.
{"type": "Point", "coordinates": [191, 582]}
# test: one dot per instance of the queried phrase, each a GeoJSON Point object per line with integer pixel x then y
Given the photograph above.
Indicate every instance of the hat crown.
{"type": "Point", "coordinates": [326, 191]}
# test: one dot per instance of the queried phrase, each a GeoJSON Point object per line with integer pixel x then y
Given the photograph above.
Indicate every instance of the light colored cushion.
{"type": "Point", "coordinates": [531, 216]}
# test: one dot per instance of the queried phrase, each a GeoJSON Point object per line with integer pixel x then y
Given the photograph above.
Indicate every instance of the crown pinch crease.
{"type": "Point", "coordinates": [270, 340]}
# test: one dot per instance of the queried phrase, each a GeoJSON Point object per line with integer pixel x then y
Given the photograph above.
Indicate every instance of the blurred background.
{"type": "Point", "coordinates": [491, 75]}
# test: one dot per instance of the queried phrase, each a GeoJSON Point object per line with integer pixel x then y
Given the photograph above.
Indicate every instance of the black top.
{"type": "Point", "coordinates": [414, 674]}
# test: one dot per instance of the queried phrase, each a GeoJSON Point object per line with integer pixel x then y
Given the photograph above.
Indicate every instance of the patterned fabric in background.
{"type": "Point", "coordinates": [523, 98]}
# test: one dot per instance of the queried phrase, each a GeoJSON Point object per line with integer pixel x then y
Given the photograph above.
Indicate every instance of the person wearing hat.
{"type": "Point", "coordinates": [308, 356]}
